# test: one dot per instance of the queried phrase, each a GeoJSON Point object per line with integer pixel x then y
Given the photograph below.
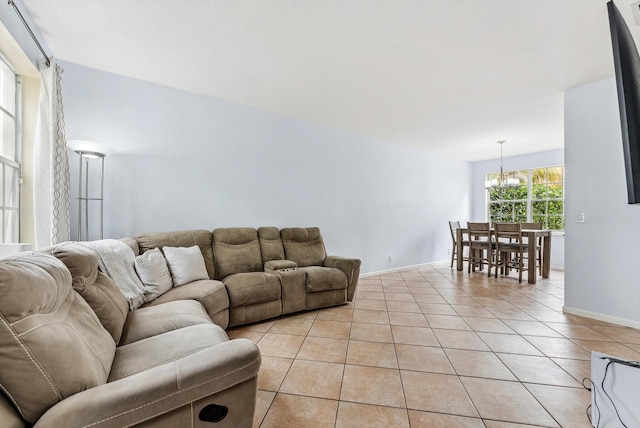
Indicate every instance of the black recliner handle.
{"type": "Point", "coordinates": [213, 413]}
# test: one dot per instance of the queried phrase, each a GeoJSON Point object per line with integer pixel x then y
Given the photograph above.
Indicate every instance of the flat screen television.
{"type": "Point", "coordinates": [627, 67]}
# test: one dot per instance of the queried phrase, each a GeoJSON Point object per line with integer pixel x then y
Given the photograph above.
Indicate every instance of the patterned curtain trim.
{"type": "Point", "coordinates": [52, 200]}
{"type": "Point", "coordinates": [61, 209]}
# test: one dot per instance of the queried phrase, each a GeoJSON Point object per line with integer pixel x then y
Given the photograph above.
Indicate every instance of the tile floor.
{"type": "Point", "coordinates": [433, 347]}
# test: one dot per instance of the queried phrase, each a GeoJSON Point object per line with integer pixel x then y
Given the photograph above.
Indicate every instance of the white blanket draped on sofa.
{"type": "Point", "coordinates": [117, 261]}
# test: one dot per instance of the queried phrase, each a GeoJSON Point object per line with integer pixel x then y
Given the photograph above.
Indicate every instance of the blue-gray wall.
{"type": "Point", "coordinates": [185, 161]}
{"type": "Point", "coordinates": [601, 278]}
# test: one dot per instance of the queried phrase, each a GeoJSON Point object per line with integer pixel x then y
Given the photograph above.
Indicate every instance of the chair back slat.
{"type": "Point", "coordinates": [453, 227]}
{"type": "Point", "coordinates": [479, 231]}
{"type": "Point", "coordinates": [507, 232]}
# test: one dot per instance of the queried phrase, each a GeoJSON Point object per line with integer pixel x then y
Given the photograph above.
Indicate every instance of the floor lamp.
{"type": "Point", "coordinates": [89, 151]}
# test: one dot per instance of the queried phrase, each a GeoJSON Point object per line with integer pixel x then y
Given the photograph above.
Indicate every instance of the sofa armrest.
{"type": "Point", "coordinates": [159, 390]}
{"type": "Point", "coordinates": [276, 265]}
{"type": "Point", "coordinates": [350, 267]}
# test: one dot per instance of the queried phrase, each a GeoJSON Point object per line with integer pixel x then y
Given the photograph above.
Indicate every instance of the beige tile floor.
{"type": "Point", "coordinates": [433, 347]}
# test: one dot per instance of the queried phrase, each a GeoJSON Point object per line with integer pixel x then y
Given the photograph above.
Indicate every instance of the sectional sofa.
{"type": "Point", "coordinates": [74, 354]}
{"type": "Point", "coordinates": [264, 272]}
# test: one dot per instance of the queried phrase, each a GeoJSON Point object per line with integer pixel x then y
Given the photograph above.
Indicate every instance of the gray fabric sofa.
{"type": "Point", "coordinates": [257, 274]}
{"type": "Point", "coordinates": [73, 355]}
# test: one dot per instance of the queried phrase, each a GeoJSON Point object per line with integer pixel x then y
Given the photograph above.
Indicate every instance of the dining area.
{"type": "Point", "coordinates": [502, 250]}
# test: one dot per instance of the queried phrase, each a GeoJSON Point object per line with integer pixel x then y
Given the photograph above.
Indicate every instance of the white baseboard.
{"type": "Point", "coordinates": [601, 317]}
{"type": "Point", "coordinates": [397, 269]}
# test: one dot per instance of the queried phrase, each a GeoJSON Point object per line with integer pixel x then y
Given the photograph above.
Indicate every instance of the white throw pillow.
{"type": "Point", "coordinates": [186, 264]}
{"type": "Point", "coordinates": [154, 274]}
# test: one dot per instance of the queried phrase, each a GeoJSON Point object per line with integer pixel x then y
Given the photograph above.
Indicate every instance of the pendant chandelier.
{"type": "Point", "coordinates": [502, 181]}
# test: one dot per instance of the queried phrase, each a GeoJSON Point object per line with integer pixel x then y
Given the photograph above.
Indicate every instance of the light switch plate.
{"type": "Point", "coordinates": [580, 218]}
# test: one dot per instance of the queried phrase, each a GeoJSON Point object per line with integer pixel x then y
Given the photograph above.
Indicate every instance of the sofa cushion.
{"type": "Point", "coordinates": [184, 238]}
{"type": "Point", "coordinates": [303, 245]}
{"type": "Point", "coordinates": [133, 244]}
{"type": "Point", "coordinates": [186, 264]}
{"type": "Point", "coordinates": [153, 320]}
{"type": "Point", "coordinates": [323, 278]}
{"type": "Point", "coordinates": [236, 250]}
{"type": "Point", "coordinates": [81, 261]}
{"type": "Point", "coordinates": [249, 288]}
{"type": "Point", "coordinates": [270, 244]}
{"type": "Point", "coordinates": [210, 293]}
{"type": "Point", "coordinates": [164, 348]}
{"type": "Point", "coordinates": [9, 415]}
{"type": "Point", "coordinates": [52, 344]}
{"type": "Point", "coordinates": [100, 292]}
{"type": "Point", "coordinates": [154, 273]}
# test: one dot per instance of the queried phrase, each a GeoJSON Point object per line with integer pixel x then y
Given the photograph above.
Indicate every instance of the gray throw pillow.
{"type": "Point", "coordinates": [152, 269]}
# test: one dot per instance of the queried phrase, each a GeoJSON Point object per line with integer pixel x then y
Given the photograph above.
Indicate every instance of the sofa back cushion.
{"type": "Point", "coordinates": [9, 415]}
{"type": "Point", "coordinates": [100, 292]}
{"type": "Point", "coordinates": [184, 238]}
{"type": "Point", "coordinates": [52, 345]}
{"type": "Point", "coordinates": [270, 244]}
{"type": "Point", "coordinates": [236, 250]}
{"type": "Point", "coordinates": [133, 244]}
{"type": "Point", "coordinates": [303, 246]}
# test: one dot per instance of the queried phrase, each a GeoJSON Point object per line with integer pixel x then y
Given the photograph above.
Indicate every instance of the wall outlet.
{"type": "Point", "coordinates": [390, 259]}
{"type": "Point", "coordinates": [580, 218]}
{"type": "Point", "coordinates": [449, 251]}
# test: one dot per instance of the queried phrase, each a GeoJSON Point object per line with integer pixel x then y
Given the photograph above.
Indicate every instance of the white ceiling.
{"type": "Point", "coordinates": [452, 76]}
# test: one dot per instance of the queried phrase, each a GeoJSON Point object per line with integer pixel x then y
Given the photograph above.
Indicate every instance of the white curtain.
{"type": "Point", "coordinates": [51, 191]}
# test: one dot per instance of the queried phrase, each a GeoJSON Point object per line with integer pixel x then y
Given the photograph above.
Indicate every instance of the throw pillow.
{"type": "Point", "coordinates": [186, 264]}
{"type": "Point", "coordinates": [154, 274]}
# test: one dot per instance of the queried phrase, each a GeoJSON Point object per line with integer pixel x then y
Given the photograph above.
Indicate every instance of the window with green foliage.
{"type": "Point", "coordinates": [538, 198]}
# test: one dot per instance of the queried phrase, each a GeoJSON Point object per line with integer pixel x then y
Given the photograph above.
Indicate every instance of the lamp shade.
{"type": "Point", "coordinates": [90, 148]}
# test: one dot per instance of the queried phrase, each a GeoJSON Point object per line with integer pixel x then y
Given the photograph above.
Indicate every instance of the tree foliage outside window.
{"type": "Point", "coordinates": [539, 198]}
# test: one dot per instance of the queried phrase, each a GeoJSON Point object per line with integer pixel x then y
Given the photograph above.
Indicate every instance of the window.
{"type": "Point", "coordinates": [9, 155]}
{"type": "Point", "coordinates": [538, 198]}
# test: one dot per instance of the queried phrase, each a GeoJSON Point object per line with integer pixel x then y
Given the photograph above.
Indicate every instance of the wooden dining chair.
{"type": "Point", "coordinates": [453, 227]}
{"type": "Point", "coordinates": [510, 248]}
{"type": "Point", "coordinates": [535, 226]}
{"type": "Point", "coordinates": [480, 246]}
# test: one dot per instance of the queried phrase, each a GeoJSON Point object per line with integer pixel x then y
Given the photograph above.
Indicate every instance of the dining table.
{"type": "Point", "coordinates": [532, 236]}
